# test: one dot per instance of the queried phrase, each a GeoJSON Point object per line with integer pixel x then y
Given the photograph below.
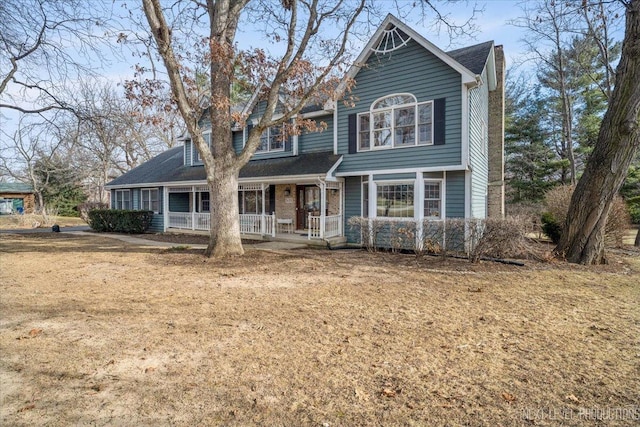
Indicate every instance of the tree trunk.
{"type": "Point", "coordinates": [637, 242]}
{"type": "Point", "coordinates": [582, 239]}
{"type": "Point", "coordinates": [224, 238]}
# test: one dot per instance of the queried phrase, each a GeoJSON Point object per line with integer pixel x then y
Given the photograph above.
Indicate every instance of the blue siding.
{"type": "Point", "coordinates": [455, 195]}
{"type": "Point", "coordinates": [309, 142]}
{"type": "Point", "coordinates": [238, 140]}
{"type": "Point", "coordinates": [157, 224]}
{"type": "Point", "coordinates": [395, 176]}
{"type": "Point", "coordinates": [352, 206]}
{"type": "Point", "coordinates": [415, 70]}
{"type": "Point", "coordinates": [478, 141]}
{"type": "Point", "coordinates": [187, 153]}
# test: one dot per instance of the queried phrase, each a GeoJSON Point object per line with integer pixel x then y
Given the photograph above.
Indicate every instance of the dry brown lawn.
{"type": "Point", "coordinates": [95, 331]}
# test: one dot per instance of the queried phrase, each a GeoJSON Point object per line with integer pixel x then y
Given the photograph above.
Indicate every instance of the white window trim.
{"type": "Point", "coordinates": [364, 182]}
{"type": "Point", "coordinates": [201, 202]}
{"type": "Point", "coordinates": [440, 182]}
{"type": "Point", "coordinates": [195, 156]}
{"type": "Point", "coordinates": [123, 191]}
{"type": "Point", "coordinates": [269, 149]}
{"type": "Point", "coordinates": [376, 183]}
{"type": "Point", "coordinates": [142, 199]}
{"type": "Point", "coordinates": [370, 113]}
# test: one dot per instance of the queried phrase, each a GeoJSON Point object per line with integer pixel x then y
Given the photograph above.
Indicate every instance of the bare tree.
{"type": "Point", "coordinates": [582, 239]}
{"type": "Point", "coordinates": [314, 40]}
{"type": "Point", "coordinates": [45, 46]}
{"type": "Point", "coordinates": [30, 145]}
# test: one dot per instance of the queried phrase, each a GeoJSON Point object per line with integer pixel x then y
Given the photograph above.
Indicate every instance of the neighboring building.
{"type": "Point", "coordinates": [423, 140]}
{"type": "Point", "coordinates": [16, 198]}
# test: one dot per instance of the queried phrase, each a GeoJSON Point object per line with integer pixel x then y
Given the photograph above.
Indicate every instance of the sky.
{"type": "Point", "coordinates": [492, 24]}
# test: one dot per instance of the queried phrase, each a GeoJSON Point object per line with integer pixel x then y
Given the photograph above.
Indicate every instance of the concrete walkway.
{"type": "Point", "coordinates": [145, 242]}
{"type": "Point", "coordinates": [82, 231]}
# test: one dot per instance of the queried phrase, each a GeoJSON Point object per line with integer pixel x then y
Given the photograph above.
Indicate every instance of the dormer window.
{"type": "Point", "coordinates": [271, 140]}
{"type": "Point", "coordinates": [196, 154]}
{"type": "Point", "coordinates": [395, 121]}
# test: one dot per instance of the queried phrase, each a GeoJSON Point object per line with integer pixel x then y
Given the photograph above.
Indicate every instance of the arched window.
{"type": "Point", "coordinates": [396, 120]}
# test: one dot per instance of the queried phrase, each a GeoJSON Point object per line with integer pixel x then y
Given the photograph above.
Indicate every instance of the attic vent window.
{"type": "Point", "coordinates": [391, 39]}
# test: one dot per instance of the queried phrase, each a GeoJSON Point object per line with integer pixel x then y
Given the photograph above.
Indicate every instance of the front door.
{"type": "Point", "coordinates": [308, 203]}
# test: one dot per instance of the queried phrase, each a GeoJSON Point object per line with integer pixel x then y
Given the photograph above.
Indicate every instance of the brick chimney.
{"type": "Point", "coordinates": [495, 191]}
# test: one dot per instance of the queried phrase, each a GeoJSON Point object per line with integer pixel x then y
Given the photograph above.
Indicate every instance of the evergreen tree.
{"type": "Point", "coordinates": [531, 164]}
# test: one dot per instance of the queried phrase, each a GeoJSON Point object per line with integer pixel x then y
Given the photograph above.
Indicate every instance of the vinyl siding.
{"type": "Point", "coordinates": [414, 70]}
{"type": "Point", "coordinates": [455, 195]}
{"type": "Point", "coordinates": [309, 142]}
{"type": "Point", "coordinates": [238, 140]}
{"type": "Point", "coordinates": [352, 206]}
{"type": "Point", "coordinates": [395, 176]}
{"type": "Point", "coordinates": [187, 153]}
{"type": "Point", "coordinates": [478, 140]}
{"type": "Point", "coordinates": [157, 224]}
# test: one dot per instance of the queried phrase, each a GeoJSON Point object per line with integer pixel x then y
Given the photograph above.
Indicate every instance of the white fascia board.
{"type": "Point", "coordinates": [407, 170]}
{"type": "Point", "coordinates": [288, 179]}
{"type": "Point", "coordinates": [252, 102]}
{"type": "Point", "coordinates": [467, 75]}
{"type": "Point", "coordinates": [313, 114]}
{"type": "Point", "coordinates": [331, 172]}
{"type": "Point", "coordinates": [491, 69]}
{"type": "Point", "coordinates": [155, 184]}
{"type": "Point", "coordinates": [464, 152]}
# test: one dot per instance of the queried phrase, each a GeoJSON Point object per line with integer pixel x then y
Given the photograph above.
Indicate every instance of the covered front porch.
{"type": "Point", "coordinates": [310, 209]}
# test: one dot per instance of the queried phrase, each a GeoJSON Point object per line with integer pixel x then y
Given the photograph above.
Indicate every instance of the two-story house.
{"type": "Point", "coordinates": [423, 139]}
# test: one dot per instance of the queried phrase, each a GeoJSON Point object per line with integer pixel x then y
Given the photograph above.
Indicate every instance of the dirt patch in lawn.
{"type": "Point", "coordinates": [96, 331]}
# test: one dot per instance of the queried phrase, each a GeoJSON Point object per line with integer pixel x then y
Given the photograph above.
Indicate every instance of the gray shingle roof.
{"type": "Point", "coordinates": [473, 57]}
{"type": "Point", "coordinates": [169, 167]}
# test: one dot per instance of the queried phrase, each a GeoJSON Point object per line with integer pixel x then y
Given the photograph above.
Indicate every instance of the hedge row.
{"type": "Point", "coordinates": [120, 221]}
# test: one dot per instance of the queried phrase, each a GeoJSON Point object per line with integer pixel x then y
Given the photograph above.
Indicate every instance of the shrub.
{"type": "Point", "coordinates": [633, 204]}
{"type": "Point", "coordinates": [498, 238]}
{"type": "Point", "coordinates": [551, 227]}
{"type": "Point", "coordinates": [557, 202]}
{"type": "Point", "coordinates": [120, 221]}
{"type": "Point", "coordinates": [85, 208]}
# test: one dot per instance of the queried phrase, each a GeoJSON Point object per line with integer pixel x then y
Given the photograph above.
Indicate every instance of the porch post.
{"type": "Point", "coordinates": [165, 208]}
{"type": "Point", "coordinates": [263, 220]}
{"type": "Point", "coordinates": [341, 206]}
{"type": "Point", "coordinates": [193, 207]}
{"type": "Point", "coordinates": [323, 207]}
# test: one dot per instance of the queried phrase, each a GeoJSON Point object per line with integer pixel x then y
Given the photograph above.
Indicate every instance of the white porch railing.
{"type": "Point", "coordinates": [182, 220]}
{"type": "Point", "coordinates": [332, 226]}
{"type": "Point", "coordinates": [202, 221]}
{"type": "Point", "coordinates": [249, 223]}
{"type": "Point", "coordinates": [257, 224]}
{"type": "Point", "coordinates": [314, 227]}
